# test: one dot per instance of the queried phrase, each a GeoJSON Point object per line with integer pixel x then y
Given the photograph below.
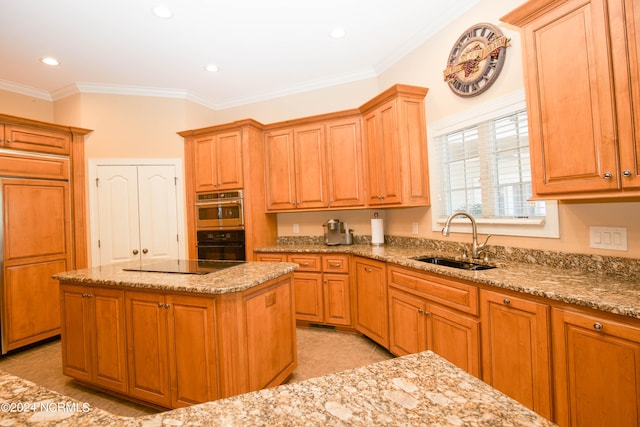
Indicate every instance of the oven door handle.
{"type": "Point", "coordinates": [222, 202]}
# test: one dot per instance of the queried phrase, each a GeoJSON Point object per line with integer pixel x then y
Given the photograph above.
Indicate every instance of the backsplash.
{"type": "Point", "coordinates": [628, 268]}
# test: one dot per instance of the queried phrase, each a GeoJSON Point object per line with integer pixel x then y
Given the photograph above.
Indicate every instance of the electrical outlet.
{"type": "Point", "coordinates": [296, 228]}
{"type": "Point", "coordinates": [414, 228]}
{"type": "Point", "coordinates": [611, 238]}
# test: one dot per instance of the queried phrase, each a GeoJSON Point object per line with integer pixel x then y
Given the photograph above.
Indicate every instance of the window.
{"type": "Point", "coordinates": [482, 166]}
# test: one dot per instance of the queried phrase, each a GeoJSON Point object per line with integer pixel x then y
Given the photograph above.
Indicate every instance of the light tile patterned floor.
{"type": "Point", "coordinates": [320, 351]}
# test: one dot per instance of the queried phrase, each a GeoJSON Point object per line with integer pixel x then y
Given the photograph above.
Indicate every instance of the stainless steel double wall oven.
{"type": "Point", "coordinates": [220, 225]}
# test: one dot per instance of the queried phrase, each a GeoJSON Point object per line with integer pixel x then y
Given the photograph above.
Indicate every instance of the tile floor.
{"type": "Point", "coordinates": [320, 351]}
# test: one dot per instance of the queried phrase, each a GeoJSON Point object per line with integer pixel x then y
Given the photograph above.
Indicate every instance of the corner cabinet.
{"type": "Point", "coordinates": [584, 108]}
{"type": "Point", "coordinates": [371, 313]}
{"type": "Point", "coordinates": [597, 370]}
{"type": "Point", "coordinates": [396, 148]}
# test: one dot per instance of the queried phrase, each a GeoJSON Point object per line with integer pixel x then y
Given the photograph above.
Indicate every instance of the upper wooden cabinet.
{"type": "Point", "coordinates": [295, 168]}
{"type": "Point", "coordinates": [317, 164]}
{"type": "Point", "coordinates": [218, 161]}
{"type": "Point", "coordinates": [25, 138]}
{"type": "Point", "coordinates": [396, 147]}
{"type": "Point", "coordinates": [581, 66]}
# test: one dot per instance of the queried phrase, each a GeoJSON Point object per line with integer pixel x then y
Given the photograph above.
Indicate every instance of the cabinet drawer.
{"type": "Point", "coordinates": [447, 292]}
{"type": "Point", "coordinates": [34, 167]}
{"type": "Point", "coordinates": [335, 263]}
{"type": "Point", "coordinates": [306, 262]}
{"type": "Point", "coordinates": [274, 257]}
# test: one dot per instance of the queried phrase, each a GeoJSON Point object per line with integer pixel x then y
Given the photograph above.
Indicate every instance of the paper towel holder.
{"type": "Point", "coordinates": [377, 231]}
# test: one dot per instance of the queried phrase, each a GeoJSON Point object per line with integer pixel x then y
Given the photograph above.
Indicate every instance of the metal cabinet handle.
{"type": "Point", "coordinates": [304, 264]}
{"type": "Point", "coordinates": [135, 252]}
{"type": "Point", "coordinates": [421, 311]}
{"type": "Point", "coordinates": [506, 301]}
{"type": "Point", "coordinates": [598, 326]}
{"type": "Point", "coordinates": [626, 173]}
{"type": "Point", "coordinates": [9, 141]}
{"type": "Point", "coordinates": [607, 175]}
{"type": "Point", "coordinates": [1, 139]}
{"type": "Point", "coordinates": [167, 305]}
{"type": "Point", "coordinates": [335, 264]}
{"type": "Point", "coordinates": [368, 270]}
{"type": "Point", "coordinates": [145, 250]}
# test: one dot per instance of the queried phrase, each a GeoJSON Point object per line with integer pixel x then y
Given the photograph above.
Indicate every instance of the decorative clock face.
{"type": "Point", "coordinates": [476, 60]}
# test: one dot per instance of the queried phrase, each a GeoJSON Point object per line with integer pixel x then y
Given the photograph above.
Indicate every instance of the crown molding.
{"type": "Point", "coordinates": [25, 90]}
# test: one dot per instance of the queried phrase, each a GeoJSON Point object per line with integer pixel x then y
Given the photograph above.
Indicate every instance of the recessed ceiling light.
{"type": "Point", "coordinates": [50, 61]}
{"type": "Point", "coordinates": [162, 12]}
{"type": "Point", "coordinates": [337, 33]}
{"type": "Point", "coordinates": [212, 68]}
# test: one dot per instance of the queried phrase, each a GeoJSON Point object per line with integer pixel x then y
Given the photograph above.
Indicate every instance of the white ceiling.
{"type": "Point", "coordinates": [264, 48]}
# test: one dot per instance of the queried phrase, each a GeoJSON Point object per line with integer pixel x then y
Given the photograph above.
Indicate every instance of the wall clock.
{"type": "Point", "coordinates": [476, 60]}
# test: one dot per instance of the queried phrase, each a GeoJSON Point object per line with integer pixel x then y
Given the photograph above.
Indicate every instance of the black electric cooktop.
{"type": "Point", "coordinates": [185, 266]}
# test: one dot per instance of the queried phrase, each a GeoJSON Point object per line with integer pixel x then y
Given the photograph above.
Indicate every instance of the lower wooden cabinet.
{"type": "Point", "coordinates": [597, 370]}
{"type": "Point", "coordinates": [172, 353]}
{"type": "Point", "coordinates": [94, 336]}
{"type": "Point", "coordinates": [321, 286]}
{"type": "Point", "coordinates": [516, 349]}
{"type": "Point", "coordinates": [417, 323]}
{"type": "Point", "coordinates": [371, 309]}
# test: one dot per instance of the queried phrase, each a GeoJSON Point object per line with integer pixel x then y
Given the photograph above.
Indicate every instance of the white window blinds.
{"type": "Point", "coordinates": [485, 170]}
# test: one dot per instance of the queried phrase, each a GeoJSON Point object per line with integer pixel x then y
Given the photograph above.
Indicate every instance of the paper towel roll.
{"type": "Point", "coordinates": [377, 232]}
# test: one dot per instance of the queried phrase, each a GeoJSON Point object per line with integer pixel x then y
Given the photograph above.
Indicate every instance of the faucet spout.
{"type": "Point", "coordinates": [476, 248]}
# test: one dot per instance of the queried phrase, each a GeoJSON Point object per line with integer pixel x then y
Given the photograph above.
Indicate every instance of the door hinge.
{"type": "Point", "coordinates": [97, 179]}
{"type": "Point", "coordinates": [175, 181]}
{"type": "Point", "coordinates": [177, 238]}
{"type": "Point", "coordinates": [98, 243]}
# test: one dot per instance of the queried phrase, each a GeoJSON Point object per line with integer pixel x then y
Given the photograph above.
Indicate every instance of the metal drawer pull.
{"type": "Point", "coordinates": [607, 175]}
{"type": "Point", "coordinates": [368, 270]}
{"type": "Point", "coordinates": [598, 326]}
{"type": "Point", "coordinates": [335, 264]}
{"type": "Point", "coordinates": [506, 301]}
{"type": "Point", "coordinates": [626, 172]}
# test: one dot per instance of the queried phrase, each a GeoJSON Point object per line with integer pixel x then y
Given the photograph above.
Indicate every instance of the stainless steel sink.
{"type": "Point", "coordinates": [454, 263]}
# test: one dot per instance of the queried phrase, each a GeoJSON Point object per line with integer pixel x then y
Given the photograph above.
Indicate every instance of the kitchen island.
{"type": "Point", "coordinates": [174, 340]}
{"type": "Point", "coordinates": [419, 389]}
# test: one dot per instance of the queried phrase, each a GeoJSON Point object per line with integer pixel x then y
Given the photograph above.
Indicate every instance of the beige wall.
{"type": "Point", "coordinates": [136, 126]}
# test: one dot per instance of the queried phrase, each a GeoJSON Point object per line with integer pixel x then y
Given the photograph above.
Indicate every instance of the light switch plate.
{"type": "Point", "coordinates": [296, 228]}
{"type": "Point", "coordinates": [611, 238]}
{"type": "Point", "coordinates": [414, 228]}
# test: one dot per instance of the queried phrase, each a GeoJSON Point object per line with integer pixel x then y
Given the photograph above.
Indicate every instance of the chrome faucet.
{"type": "Point", "coordinates": [476, 248]}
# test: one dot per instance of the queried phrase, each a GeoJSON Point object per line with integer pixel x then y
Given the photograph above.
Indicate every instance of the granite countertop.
{"type": "Point", "coordinates": [419, 389]}
{"type": "Point", "coordinates": [605, 292]}
{"type": "Point", "coordinates": [233, 279]}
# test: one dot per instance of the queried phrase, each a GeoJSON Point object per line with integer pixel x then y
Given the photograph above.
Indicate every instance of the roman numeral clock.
{"type": "Point", "coordinates": [476, 60]}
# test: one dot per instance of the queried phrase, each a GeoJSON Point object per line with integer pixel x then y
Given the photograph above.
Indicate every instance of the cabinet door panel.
{"type": "Point", "coordinates": [193, 359]}
{"type": "Point", "coordinates": [147, 346]}
{"type": "Point", "coordinates": [310, 166]}
{"type": "Point", "coordinates": [109, 336]}
{"type": "Point", "coordinates": [44, 141]}
{"type": "Point", "coordinates": [597, 371]}
{"type": "Point", "coordinates": [337, 303]}
{"type": "Point", "coordinates": [31, 309]}
{"type": "Point", "coordinates": [372, 315]}
{"type": "Point", "coordinates": [76, 350]}
{"type": "Point", "coordinates": [407, 323]}
{"type": "Point", "coordinates": [229, 160]}
{"type": "Point", "coordinates": [205, 178]}
{"type": "Point", "coordinates": [269, 321]}
{"type": "Point", "coordinates": [308, 296]}
{"type": "Point", "coordinates": [516, 349]}
{"type": "Point", "coordinates": [570, 101]}
{"type": "Point", "coordinates": [345, 169]}
{"type": "Point", "coordinates": [454, 337]}
{"type": "Point", "coordinates": [279, 170]}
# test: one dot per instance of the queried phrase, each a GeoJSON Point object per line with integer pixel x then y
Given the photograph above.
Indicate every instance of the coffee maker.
{"type": "Point", "coordinates": [336, 234]}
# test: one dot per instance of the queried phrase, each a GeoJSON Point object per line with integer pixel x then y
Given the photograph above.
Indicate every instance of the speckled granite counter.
{"type": "Point", "coordinates": [233, 279]}
{"type": "Point", "coordinates": [606, 292]}
{"type": "Point", "coordinates": [419, 389]}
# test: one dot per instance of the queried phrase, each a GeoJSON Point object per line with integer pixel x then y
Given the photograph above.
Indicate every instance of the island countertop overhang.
{"type": "Point", "coordinates": [233, 279]}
